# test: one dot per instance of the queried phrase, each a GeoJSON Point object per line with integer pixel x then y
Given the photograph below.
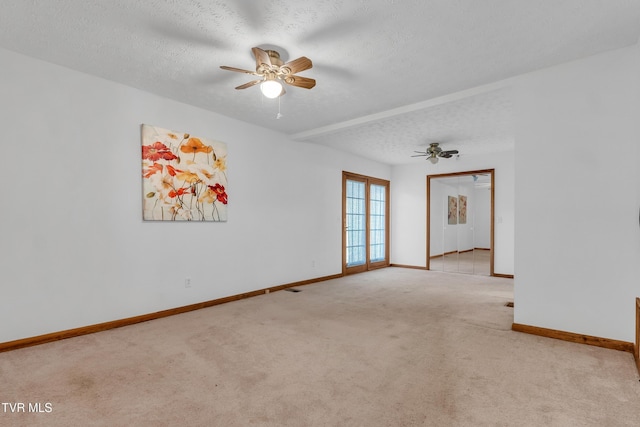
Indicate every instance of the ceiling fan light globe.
{"type": "Point", "coordinates": [433, 160]}
{"type": "Point", "coordinates": [271, 88]}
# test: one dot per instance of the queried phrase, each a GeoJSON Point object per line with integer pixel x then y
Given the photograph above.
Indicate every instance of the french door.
{"type": "Point", "coordinates": [365, 208]}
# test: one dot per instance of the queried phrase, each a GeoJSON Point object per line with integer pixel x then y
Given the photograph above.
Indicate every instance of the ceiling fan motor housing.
{"type": "Point", "coordinates": [433, 148]}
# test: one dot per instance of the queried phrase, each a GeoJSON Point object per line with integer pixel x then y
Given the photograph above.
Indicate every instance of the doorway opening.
{"type": "Point", "coordinates": [460, 226]}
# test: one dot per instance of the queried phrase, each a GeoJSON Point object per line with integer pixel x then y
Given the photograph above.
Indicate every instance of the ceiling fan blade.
{"type": "Point", "coordinates": [297, 65]}
{"type": "Point", "coordinates": [420, 155]}
{"type": "Point", "coordinates": [448, 153]}
{"type": "Point", "coordinates": [246, 85]}
{"type": "Point", "coordinates": [238, 70]}
{"type": "Point", "coordinates": [298, 81]}
{"type": "Point", "coordinates": [262, 57]}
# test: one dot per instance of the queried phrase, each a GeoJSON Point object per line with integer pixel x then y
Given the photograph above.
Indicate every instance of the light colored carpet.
{"type": "Point", "coordinates": [392, 347]}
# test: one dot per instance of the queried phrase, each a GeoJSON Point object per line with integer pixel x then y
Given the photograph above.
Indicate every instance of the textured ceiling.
{"type": "Point", "coordinates": [473, 125]}
{"type": "Point", "coordinates": [377, 63]}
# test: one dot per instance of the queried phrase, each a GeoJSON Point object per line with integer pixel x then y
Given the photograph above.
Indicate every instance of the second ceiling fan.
{"type": "Point", "coordinates": [433, 152]}
{"type": "Point", "coordinates": [273, 72]}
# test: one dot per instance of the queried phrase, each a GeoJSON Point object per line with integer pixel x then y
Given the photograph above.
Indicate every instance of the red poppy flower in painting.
{"type": "Point", "coordinates": [157, 151]}
{"type": "Point", "coordinates": [172, 171]}
{"type": "Point", "coordinates": [179, 192]}
{"type": "Point", "coordinates": [220, 193]}
{"type": "Point", "coordinates": [194, 145]}
{"type": "Point", "coordinates": [154, 168]}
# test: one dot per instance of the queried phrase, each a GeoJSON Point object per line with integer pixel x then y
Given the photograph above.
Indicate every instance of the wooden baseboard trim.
{"type": "Point", "coordinates": [504, 276]}
{"type": "Point", "coordinates": [573, 337]}
{"type": "Point", "coordinates": [636, 350]}
{"type": "Point", "coordinates": [416, 267]}
{"type": "Point", "coordinates": [85, 330]}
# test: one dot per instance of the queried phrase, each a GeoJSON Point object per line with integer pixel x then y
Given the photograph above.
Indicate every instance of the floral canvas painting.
{"type": "Point", "coordinates": [184, 177]}
{"type": "Point", "coordinates": [462, 209]}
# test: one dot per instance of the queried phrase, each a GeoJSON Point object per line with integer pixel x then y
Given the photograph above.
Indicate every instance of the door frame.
{"type": "Point", "coordinates": [368, 180]}
{"type": "Point", "coordinates": [451, 175]}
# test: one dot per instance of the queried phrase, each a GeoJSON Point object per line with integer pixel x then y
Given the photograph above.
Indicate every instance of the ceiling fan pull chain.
{"type": "Point", "coordinates": [279, 115]}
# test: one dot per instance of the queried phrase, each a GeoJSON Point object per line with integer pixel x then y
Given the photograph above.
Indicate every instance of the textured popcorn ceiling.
{"type": "Point", "coordinates": [385, 69]}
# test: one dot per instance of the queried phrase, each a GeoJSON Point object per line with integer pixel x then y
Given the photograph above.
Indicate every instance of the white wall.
{"type": "Point", "coordinates": [409, 205]}
{"type": "Point", "coordinates": [75, 250]}
{"type": "Point", "coordinates": [578, 193]}
{"type": "Point", "coordinates": [438, 216]}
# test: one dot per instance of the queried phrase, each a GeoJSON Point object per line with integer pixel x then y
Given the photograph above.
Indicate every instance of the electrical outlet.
{"type": "Point", "coordinates": [187, 282]}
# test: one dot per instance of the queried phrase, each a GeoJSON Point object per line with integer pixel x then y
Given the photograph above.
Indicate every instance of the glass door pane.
{"type": "Point", "coordinates": [377, 232]}
{"type": "Point", "coordinates": [356, 226]}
